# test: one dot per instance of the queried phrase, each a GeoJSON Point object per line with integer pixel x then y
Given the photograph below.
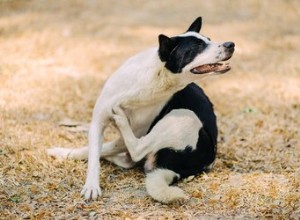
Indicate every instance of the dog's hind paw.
{"type": "Point", "coordinates": [91, 192]}
{"type": "Point", "coordinates": [120, 121]}
{"type": "Point", "coordinates": [117, 110]}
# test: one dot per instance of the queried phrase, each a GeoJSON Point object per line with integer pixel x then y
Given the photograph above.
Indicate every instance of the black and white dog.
{"type": "Point", "coordinates": [163, 117]}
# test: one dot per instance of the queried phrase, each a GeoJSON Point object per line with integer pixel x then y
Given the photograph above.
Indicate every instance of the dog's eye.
{"type": "Point", "coordinates": [208, 39]}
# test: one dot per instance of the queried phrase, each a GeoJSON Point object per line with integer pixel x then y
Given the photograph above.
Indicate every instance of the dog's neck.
{"type": "Point", "coordinates": [163, 85]}
{"type": "Point", "coordinates": [168, 82]}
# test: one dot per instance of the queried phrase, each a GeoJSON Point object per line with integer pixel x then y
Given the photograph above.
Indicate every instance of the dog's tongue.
{"type": "Point", "coordinates": [215, 67]}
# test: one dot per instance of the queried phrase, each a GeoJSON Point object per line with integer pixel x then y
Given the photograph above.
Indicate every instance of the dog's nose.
{"type": "Point", "coordinates": [229, 45]}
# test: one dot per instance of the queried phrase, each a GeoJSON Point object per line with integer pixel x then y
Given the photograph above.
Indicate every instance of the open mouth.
{"type": "Point", "coordinates": [213, 67]}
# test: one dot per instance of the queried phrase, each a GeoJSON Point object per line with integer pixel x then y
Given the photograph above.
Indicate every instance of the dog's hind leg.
{"type": "Point", "coordinates": [177, 130]}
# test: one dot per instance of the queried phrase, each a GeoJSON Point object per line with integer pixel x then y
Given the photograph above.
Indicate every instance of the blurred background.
{"type": "Point", "coordinates": [55, 57]}
{"type": "Point", "coordinates": [57, 40]}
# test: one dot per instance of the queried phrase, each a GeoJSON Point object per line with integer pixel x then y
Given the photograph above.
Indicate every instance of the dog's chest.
{"type": "Point", "coordinates": [140, 119]}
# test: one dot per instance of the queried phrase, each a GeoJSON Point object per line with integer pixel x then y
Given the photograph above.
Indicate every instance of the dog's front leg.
{"type": "Point", "coordinates": [91, 189]}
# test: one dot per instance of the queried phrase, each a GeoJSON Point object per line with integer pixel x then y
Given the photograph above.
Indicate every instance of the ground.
{"type": "Point", "coordinates": [54, 59]}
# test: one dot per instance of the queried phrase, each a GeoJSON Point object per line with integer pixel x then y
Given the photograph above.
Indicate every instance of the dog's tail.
{"type": "Point", "coordinates": [157, 185]}
{"type": "Point", "coordinates": [69, 153]}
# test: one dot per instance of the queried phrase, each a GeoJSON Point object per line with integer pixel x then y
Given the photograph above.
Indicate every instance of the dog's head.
{"type": "Point", "coordinates": [194, 53]}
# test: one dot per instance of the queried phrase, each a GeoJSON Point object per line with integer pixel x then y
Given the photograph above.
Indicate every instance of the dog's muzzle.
{"type": "Point", "coordinates": [218, 67]}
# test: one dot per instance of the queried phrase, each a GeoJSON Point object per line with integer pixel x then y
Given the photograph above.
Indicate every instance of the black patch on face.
{"type": "Point", "coordinates": [177, 52]}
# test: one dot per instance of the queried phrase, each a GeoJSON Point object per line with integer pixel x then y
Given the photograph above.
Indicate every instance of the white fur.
{"type": "Point", "coordinates": [157, 185]}
{"type": "Point", "coordinates": [141, 87]}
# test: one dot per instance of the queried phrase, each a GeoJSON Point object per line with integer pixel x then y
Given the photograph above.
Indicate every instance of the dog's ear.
{"type": "Point", "coordinates": [166, 45]}
{"type": "Point", "coordinates": [196, 25]}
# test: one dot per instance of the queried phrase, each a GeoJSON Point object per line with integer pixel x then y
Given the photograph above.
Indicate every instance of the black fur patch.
{"type": "Point", "coordinates": [196, 25]}
{"type": "Point", "coordinates": [190, 162]}
{"type": "Point", "coordinates": [177, 52]}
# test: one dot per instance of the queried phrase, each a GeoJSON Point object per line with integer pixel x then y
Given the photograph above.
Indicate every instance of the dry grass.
{"type": "Point", "coordinates": [54, 57]}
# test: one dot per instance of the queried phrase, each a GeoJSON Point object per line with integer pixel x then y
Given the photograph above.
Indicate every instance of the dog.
{"type": "Point", "coordinates": [164, 118]}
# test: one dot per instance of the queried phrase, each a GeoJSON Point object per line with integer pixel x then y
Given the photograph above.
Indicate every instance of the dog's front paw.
{"type": "Point", "coordinates": [91, 191]}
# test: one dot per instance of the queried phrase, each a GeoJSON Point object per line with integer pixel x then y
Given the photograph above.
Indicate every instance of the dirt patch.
{"type": "Point", "coordinates": [55, 57]}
